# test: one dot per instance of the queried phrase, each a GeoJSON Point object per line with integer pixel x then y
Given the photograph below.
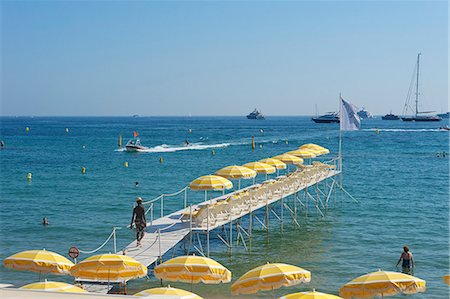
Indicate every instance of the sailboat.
{"type": "Point", "coordinates": [418, 116]}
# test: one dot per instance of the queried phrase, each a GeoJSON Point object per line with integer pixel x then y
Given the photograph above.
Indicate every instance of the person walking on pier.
{"type": "Point", "coordinates": [139, 220]}
{"type": "Point", "coordinates": [407, 260]}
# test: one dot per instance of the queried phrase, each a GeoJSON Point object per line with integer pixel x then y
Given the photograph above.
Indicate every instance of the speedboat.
{"type": "Point", "coordinates": [330, 117]}
{"type": "Point", "coordinates": [134, 145]}
{"type": "Point", "coordinates": [255, 114]}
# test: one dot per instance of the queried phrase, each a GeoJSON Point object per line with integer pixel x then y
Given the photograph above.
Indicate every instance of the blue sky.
{"type": "Point", "coordinates": [219, 58]}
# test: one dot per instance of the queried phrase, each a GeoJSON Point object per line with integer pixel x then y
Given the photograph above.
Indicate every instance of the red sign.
{"type": "Point", "coordinates": [74, 252]}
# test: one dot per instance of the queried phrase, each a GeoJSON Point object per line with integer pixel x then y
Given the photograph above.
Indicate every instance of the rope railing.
{"type": "Point", "coordinates": [101, 246]}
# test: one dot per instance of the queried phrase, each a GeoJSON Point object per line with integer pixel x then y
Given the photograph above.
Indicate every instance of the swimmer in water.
{"type": "Point", "coordinates": [44, 221]}
{"type": "Point", "coordinates": [407, 260]}
{"type": "Point", "coordinates": [136, 184]}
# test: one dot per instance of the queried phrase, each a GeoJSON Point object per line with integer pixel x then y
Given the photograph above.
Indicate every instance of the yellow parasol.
{"type": "Point", "coordinates": [269, 277]}
{"type": "Point", "coordinates": [210, 182]}
{"type": "Point", "coordinates": [446, 279]}
{"type": "Point", "coordinates": [382, 283]}
{"type": "Point", "coordinates": [302, 153]}
{"type": "Point", "coordinates": [236, 172]}
{"type": "Point", "coordinates": [289, 159]}
{"type": "Point", "coordinates": [108, 268]}
{"type": "Point", "coordinates": [260, 167]}
{"type": "Point", "coordinates": [320, 149]}
{"type": "Point", "coordinates": [41, 261]}
{"type": "Point", "coordinates": [53, 286]}
{"type": "Point", "coordinates": [170, 292]}
{"type": "Point", "coordinates": [193, 269]}
{"type": "Point", "coordinates": [275, 163]}
{"type": "Point", "coordinates": [310, 295]}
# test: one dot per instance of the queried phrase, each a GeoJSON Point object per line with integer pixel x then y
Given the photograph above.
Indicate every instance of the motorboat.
{"type": "Point", "coordinates": [363, 113]}
{"type": "Point", "coordinates": [444, 115]}
{"type": "Point", "coordinates": [330, 117]}
{"type": "Point", "coordinates": [390, 116]}
{"type": "Point", "coordinates": [134, 145]}
{"type": "Point", "coordinates": [255, 114]}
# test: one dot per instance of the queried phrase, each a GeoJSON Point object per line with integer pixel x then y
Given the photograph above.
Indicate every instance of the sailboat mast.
{"type": "Point", "coordinates": [417, 84]}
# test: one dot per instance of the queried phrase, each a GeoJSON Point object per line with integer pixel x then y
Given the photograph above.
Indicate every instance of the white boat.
{"type": "Point", "coordinates": [134, 145]}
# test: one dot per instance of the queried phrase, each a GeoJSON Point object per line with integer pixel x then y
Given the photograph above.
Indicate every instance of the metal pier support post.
{"type": "Point", "coordinates": [282, 212]}
{"type": "Point", "coordinates": [114, 239]}
{"type": "Point", "coordinates": [207, 232]}
{"type": "Point", "coordinates": [231, 236]}
{"type": "Point", "coordinates": [295, 205]}
{"type": "Point", "coordinates": [267, 219]}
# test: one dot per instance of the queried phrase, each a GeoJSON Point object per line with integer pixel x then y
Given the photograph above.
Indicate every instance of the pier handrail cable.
{"type": "Point", "coordinates": [101, 246]}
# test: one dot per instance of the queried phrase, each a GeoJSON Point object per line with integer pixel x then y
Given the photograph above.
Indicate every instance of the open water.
{"type": "Point", "coordinates": [403, 189]}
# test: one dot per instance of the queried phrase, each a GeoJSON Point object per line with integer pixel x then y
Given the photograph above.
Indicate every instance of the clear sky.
{"type": "Point", "coordinates": [219, 58]}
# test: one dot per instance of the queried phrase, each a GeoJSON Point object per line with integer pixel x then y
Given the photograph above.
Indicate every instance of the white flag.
{"type": "Point", "coordinates": [349, 117]}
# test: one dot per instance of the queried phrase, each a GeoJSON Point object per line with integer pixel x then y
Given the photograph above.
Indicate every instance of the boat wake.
{"type": "Point", "coordinates": [403, 130]}
{"type": "Point", "coordinates": [165, 148]}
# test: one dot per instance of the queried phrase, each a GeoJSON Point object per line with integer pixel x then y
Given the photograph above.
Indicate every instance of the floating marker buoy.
{"type": "Point", "coordinates": [29, 176]}
{"type": "Point", "coordinates": [287, 142]}
{"type": "Point", "coordinates": [84, 146]}
{"type": "Point", "coordinates": [125, 164]}
{"type": "Point", "coordinates": [212, 152]}
{"type": "Point", "coordinates": [161, 160]}
{"type": "Point", "coordinates": [27, 129]}
{"type": "Point", "coordinates": [67, 130]}
{"type": "Point", "coordinates": [83, 170]}
{"type": "Point", "coordinates": [260, 146]}
{"type": "Point", "coordinates": [261, 131]}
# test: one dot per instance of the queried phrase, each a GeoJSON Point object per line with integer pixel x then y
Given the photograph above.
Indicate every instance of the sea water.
{"type": "Point", "coordinates": [390, 167]}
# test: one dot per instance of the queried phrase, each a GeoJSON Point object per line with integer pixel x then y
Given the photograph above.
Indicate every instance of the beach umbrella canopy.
{"type": "Point", "coordinates": [269, 277]}
{"type": "Point", "coordinates": [289, 159]}
{"type": "Point", "coordinates": [193, 269]}
{"type": "Point", "coordinates": [314, 147]}
{"type": "Point", "coordinates": [236, 172]}
{"type": "Point", "coordinates": [302, 153]}
{"type": "Point", "coordinates": [170, 292]}
{"type": "Point", "coordinates": [41, 261]}
{"type": "Point", "coordinates": [382, 283]}
{"type": "Point", "coordinates": [109, 267]}
{"type": "Point", "coordinates": [274, 162]}
{"type": "Point", "coordinates": [260, 167]}
{"type": "Point", "coordinates": [210, 182]}
{"type": "Point", "coordinates": [53, 286]}
{"type": "Point", "coordinates": [446, 279]}
{"type": "Point", "coordinates": [310, 295]}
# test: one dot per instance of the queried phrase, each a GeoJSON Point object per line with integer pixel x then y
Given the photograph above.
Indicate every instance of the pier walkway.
{"type": "Point", "coordinates": [164, 233]}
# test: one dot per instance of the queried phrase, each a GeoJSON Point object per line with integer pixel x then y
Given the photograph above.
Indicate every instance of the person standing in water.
{"type": "Point", "coordinates": [139, 220]}
{"type": "Point", "coordinates": [407, 260]}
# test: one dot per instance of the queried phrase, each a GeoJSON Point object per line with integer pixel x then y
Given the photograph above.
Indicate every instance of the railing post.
{"type": "Point", "coordinates": [114, 239]}
{"type": "Point", "coordinates": [190, 227]}
{"type": "Point", "coordinates": [151, 214]}
{"type": "Point", "coordinates": [159, 241]}
{"type": "Point", "coordinates": [162, 206]}
{"type": "Point", "coordinates": [185, 197]}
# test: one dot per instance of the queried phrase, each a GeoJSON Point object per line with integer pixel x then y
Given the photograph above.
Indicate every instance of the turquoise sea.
{"type": "Point", "coordinates": [403, 189]}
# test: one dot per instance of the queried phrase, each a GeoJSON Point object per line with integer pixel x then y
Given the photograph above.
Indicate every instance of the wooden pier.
{"type": "Point", "coordinates": [191, 222]}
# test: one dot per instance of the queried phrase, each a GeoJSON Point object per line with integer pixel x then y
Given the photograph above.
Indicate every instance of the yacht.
{"type": "Point", "coordinates": [418, 116]}
{"type": "Point", "coordinates": [363, 113]}
{"type": "Point", "coordinates": [134, 145]}
{"type": "Point", "coordinates": [390, 116]}
{"type": "Point", "coordinates": [330, 117]}
{"type": "Point", "coordinates": [255, 115]}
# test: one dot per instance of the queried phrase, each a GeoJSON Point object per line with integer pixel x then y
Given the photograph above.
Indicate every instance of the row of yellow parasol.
{"type": "Point", "coordinates": [220, 181]}
{"type": "Point", "coordinates": [195, 269]}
